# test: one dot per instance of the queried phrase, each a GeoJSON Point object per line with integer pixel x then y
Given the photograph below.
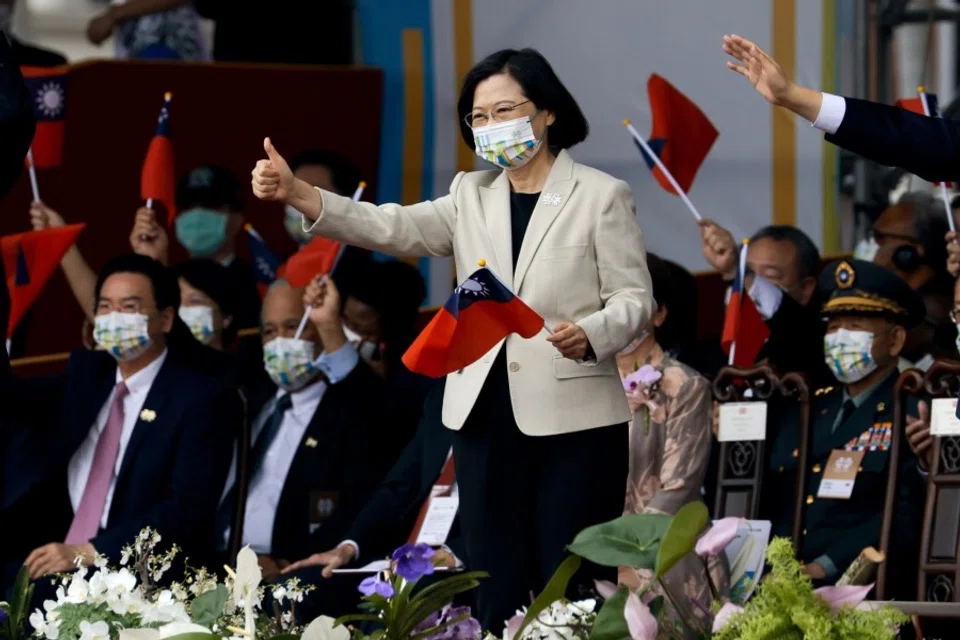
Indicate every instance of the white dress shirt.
{"type": "Point", "coordinates": [267, 485]}
{"type": "Point", "coordinates": [78, 470]}
{"type": "Point", "coordinates": [831, 113]}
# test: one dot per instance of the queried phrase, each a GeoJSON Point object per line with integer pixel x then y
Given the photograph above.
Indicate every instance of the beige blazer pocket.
{"type": "Point", "coordinates": [564, 368]}
{"type": "Point", "coordinates": [561, 253]}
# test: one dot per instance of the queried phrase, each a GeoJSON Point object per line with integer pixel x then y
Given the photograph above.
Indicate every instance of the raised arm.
{"type": "Point", "coordinates": [80, 277]}
{"type": "Point", "coordinates": [423, 229]}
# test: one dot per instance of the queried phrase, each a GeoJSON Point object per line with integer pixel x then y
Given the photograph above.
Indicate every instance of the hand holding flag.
{"type": "Point", "coordinates": [148, 238]}
{"type": "Point", "coordinates": [744, 329]}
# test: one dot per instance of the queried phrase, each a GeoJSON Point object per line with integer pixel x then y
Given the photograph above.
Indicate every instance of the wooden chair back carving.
{"type": "Point", "coordinates": [743, 463]}
{"type": "Point", "coordinates": [939, 576]}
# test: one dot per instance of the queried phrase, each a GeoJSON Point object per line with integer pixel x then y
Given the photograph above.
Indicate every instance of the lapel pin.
{"type": "Point", "coordinates": [311, 442]}
{"type": "Point", "coordinates": [148, 415]}
{"type": "Point", "coordinates": [552, 199]}
{"type": "Point", "coordinates": [881, 407]}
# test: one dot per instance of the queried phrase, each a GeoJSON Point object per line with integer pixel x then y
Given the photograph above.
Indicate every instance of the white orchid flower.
{"type": "Point", "coordinates": [94, 630]}
{"type": "Point", "coordinates": [246, 580]}
{"type": "Point", "coordinates": [139, 634]}
{"type": "Point", "coordinates": [322, 629]}
{"type": "Point", "coordinates": [179, 628]}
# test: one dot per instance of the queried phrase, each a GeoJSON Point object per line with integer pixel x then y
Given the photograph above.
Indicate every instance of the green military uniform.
{"type": "Point", "coordinates": [835, 531]}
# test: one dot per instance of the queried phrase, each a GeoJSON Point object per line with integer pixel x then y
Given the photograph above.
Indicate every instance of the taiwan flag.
{"type": "Point", "coordinates": [681, 137]}
{"type": "Point", "coordinates": [744, 330]}
{"type": "Point", "coordinates": [265, 262]}
{"type": "Point", "coordinates": [29, 260]}
{"type": "Point", "coordinates": [319, 256]}
{"type": "Point", "coordinates": [47, 88]}
{"type": "Point", "coordinates": [931, 109]}
{"type": "Point", "coordinates": [481, 312]}
{"type": "Point", "coordinates": [158, 182]}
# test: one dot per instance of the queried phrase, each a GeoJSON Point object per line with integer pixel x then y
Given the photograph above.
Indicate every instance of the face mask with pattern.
{"type": "Point", "coordinates": [509, 144]}
{"type": "Point", "coordinates": [125, 336]}
{"type": "Point", "coordinates": [290, 362]}
{"type": "Point", "coordinates": [849, 354]}
{"type": "Point", "coordinates": [200, 321]}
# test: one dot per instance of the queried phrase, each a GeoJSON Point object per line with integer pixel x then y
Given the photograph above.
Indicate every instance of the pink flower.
{"type": "Point", "coordinates": [645, 376]}
{"type": "Point", "coordinates": [714, 541]}
{"type": "Point", "coordinates": [846, 596]}
{"type": "Point", "coordinates": [723, 616]}
{"type": "Point", "coordinates": [642, 624]}
{"type": "Point", "coordinates": [605, 588]}
{"type": "Point", "coordinates": [513, 625]}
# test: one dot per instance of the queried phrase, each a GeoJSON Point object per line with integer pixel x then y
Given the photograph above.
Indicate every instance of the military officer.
{"type": "Point", "coordinates": [867, 311]}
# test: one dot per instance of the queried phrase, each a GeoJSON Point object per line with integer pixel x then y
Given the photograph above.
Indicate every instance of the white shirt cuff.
{"type": "Point", "coordinates": [831, 113]}
{"type": "Point", "coordinates": [356, 547]}
{"type": "Point", "coordinates": [766, 296]}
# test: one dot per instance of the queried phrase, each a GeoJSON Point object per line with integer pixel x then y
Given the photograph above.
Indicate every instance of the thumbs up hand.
{"type": "Point", "coordinates": [272, 178]}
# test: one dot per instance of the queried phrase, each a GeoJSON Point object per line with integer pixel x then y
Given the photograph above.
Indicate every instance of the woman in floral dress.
{"type": "Point", "coordinates": [670, 438]}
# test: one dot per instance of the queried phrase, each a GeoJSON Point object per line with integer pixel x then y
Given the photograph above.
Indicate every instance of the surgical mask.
{"type": "Point", "coordinates": [123, 335]}
{"type": "Point", "coordinates": [201, 231]}
{"type": "Point", "coordinates": [509, 144]}
{"type": "Point", "coordinates": [636, 342]}
{"type": "Point", "coordinates": [866, 249]}
{"type": "Point", "coordinates": [290, 362]}
{"type": "Point", "coordinates": [200, 321]}
{"type": "Point", "coordinates": [366, 349]}
{"type": "Point", "coordinates": [848, 354]}
{"type": "Point", "coordinates": [293, 221]}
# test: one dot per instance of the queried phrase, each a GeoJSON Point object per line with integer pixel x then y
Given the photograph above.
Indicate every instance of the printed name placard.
{"type": "Point", "coordinates": [840, 474]}
{"type": "Point", "coordinates": [943, 417]}
{"type": "Point", "coordinates": [440, 516]}
{"type": "Point", "coordinates": [742, 421]}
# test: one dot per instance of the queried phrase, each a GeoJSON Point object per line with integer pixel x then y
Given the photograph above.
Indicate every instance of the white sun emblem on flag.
{"type": "Point", "coordinates": [50, 99]}
{"type": "Point", "coordinates": [475, 288]}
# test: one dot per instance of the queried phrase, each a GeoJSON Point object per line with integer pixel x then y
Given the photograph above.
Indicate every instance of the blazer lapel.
{"type": "Point", "coordinates": [495, 200]}
{"type": "Point", "coordinates": [554, 197]}
{"type": "Point", "coordinates": [156, 409]}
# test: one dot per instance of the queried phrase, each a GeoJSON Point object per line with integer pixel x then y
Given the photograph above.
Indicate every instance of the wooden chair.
{"type": "Point", "coordinates": [939, 577]}
{"type": "Point", "coordinates": [743, 463]}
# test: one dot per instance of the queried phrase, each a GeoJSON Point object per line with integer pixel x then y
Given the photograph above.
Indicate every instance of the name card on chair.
{"type": "Point", "coordinates": [943, 417]}
{"type": "Point", "coordinates": [742, 421]}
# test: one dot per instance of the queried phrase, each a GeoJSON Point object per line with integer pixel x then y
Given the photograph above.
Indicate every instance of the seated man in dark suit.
{"type": "Point", "coordinates": [927, 147]}
{"type": "Point", "coordinates": [128, 437]}
{"type": "Point", "coordinates": [389, 516]}
{"type": "Point", "coordinates": [313, 461]}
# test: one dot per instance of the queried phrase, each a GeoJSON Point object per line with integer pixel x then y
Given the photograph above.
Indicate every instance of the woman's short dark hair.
{"type": "Point", "coordinates": [540, 85]}
{"type": "Point", "coordinates": [213, 279]}
{"type": "Point", "coordinates": [166, 290]}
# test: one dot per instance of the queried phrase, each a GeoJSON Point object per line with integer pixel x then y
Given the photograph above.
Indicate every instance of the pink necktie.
{"type": "Point", "coordinates": [86, 521]}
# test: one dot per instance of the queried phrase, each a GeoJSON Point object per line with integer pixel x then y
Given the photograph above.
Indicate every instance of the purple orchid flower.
{"type": "Point", "coordinates": [413, 561]}
{"type": "Point", "coordinates": [375, 585]}
{"type": "Point", "coordinates": [723, 616]}
{"type": "Point", "coordinates": [714, 541]}
{"type": "Point", "coordinates": [645, 376]}
{"type": "Point", "coordinates": [844, 596]}
{"type": "Point", "coordinates": [466, 629]}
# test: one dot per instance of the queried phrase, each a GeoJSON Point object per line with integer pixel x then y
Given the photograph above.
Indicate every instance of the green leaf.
{"type": "Point", "coordinates": [285, 636]}
{"type": "Point", "coordinates": [435, 597]}
{"type": "Point", "coordinates": [207, 607]}
{"type": "Point", "coordinates": [628, 541]}
{"type": "Point", "coordinates": [555, 590]}
{"type": "Point", "coordinates": [681, 536]}
{"type": "Point", "coordinates": [657, 606]}
{"type": "Point", "coordinates": [610, 623]}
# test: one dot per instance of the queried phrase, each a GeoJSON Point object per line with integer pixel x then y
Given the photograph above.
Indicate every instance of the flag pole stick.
{"type": "Point", "coordinates": [943, 187]}
{"type": "Point", "coordinates": [673, 182]}
{"type": "Point", "coordinates": [33, 175]}
{"type": "Point", "coordinates": [336, 260]}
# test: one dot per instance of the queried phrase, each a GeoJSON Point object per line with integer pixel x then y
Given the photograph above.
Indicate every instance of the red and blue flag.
{"type": "Point", "coordinates": [481, 312]}
{"type": "Point", "coordinates": [681, 137]}
{"type": "Point", "coordinates": [744, 329]}
{"type": "Point", "coordinates": [317, 257]}
{"type": "Point", "coordinates": [47, 87]}
{"type": "Point", "coordinates": [158, 182]}
{"type": "Point", "coordinates": [266, 263]}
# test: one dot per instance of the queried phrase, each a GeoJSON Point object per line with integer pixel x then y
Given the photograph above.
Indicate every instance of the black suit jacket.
{"type": "Point", "coordinates": [173, 468]}
{"type": "Point", "coordinates": [390, 514]}
{"type": "Point", "coordinates": [337, 459]}
{"type": "Point", "coordinates": [927, 147]}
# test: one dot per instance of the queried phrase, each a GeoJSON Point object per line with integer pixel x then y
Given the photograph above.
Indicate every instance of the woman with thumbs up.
{"type": "Point", "coordinates": [541, 443]}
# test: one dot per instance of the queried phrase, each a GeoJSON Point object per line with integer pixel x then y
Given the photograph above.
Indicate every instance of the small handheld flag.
{"type": "Point", "coordinates": [481, 312]}
{"type": "Point", "coordinates": [744, 329]}
{"type": "Point", "coordinates": [30, 259]}
{"type": "Point", "coordinates": [158, 179]}
{"type": "Point", "coordinates": [47, 88]}
{"type": "Point", "coordinates": [927, 104]}
{"type": "Point", "coordinates": [265, 262]}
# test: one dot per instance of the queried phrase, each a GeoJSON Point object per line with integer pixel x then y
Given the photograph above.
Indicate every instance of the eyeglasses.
{"type": "Point", "coordinates": [500, 114]}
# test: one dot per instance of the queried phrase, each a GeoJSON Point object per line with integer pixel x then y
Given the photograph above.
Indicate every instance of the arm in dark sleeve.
{"type": "Point", "coordinates": [927, 147]}
{"type": "Point", "coordinates": [186, 511]}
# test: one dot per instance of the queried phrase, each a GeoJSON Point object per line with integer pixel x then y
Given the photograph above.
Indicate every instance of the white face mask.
{"type": "Point", "coordinates": [365, 348]}
{"type": "Point", "coordinates": [866, 249]}
{"type": "Point", "coordinates": [849, 354]}
{"type": "Point", "coordinates": [293, 222]}
{"type": "Point", "coordinates": [200, 321]}
{"type": "Point", "coordinates": [123, 335]}
{"type": "Point", "coordinates": [290, 362]}
{"type": "Point", "coordinates": [509, 144]}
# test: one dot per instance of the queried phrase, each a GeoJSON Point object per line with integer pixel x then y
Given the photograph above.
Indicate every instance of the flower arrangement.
{"type": "Point", "coordinates": [641, 388]}
{"type": "Point", "coordinates": [785, 604]}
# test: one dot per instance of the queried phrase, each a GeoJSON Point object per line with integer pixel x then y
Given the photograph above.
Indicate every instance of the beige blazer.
{"type": "Point", "coordinates": [582, 260]}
